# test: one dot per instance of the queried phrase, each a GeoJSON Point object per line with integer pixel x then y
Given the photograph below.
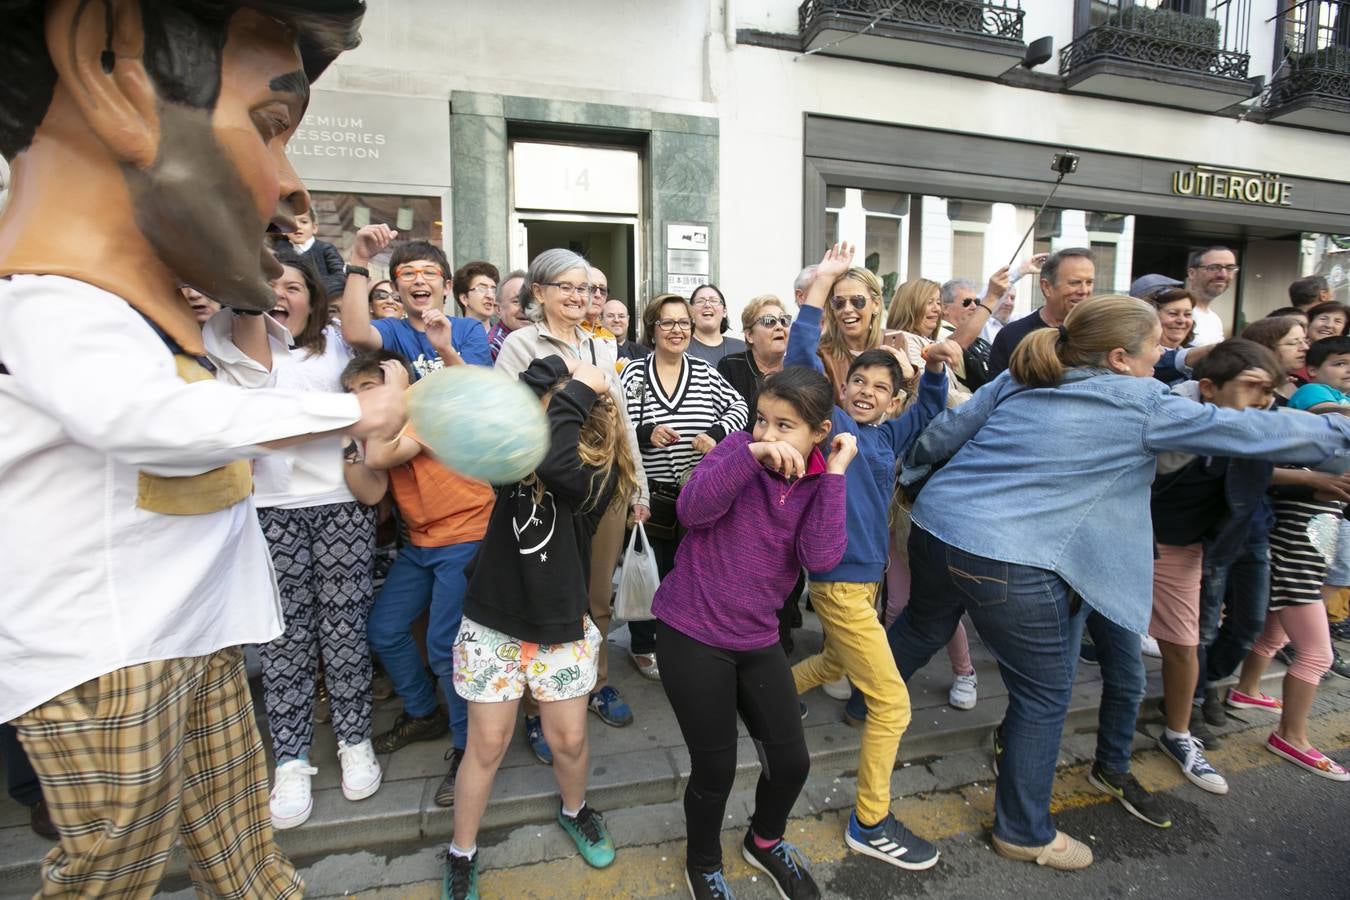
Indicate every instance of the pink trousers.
{"type": "Point", "coordinates": [1305, 626]}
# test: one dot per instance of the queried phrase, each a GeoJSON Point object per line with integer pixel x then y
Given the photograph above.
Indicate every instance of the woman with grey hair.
{"type": "Point", "coordinates": [554, 297]}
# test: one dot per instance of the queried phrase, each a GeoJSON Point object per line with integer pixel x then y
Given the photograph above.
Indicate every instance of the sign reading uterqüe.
{"type": "Point", "coordinates": [1235, 185]}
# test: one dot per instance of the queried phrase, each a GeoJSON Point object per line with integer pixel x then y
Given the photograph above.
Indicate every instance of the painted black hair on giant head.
{"type": "Point", "coordinates": [1234, 356]}
{"type": "Point", "coordinates": [411, 251]}
{"type": "Point", "coordinates": [184, 40]}
{"type": "Point", "coordinates": [1330, 346]}
{"type": "Point", "coordinates": [805, 390]}
{"type": "Point", "coordinates": [876, 357]}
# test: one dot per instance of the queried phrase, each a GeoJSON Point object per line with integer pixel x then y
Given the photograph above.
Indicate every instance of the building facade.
{"type": "Point", "coordinates": [731, 141]}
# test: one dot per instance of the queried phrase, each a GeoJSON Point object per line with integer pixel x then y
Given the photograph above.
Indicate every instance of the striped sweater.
{"type": "Point", "coordinates": [701, 402]}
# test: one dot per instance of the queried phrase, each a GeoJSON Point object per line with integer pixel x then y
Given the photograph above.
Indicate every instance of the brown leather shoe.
{"type": "Point", "coordinates": [41, 821]}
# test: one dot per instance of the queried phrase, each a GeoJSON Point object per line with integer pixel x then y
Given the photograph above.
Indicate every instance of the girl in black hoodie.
{"type": "Point", "coordinates": [525, 613]}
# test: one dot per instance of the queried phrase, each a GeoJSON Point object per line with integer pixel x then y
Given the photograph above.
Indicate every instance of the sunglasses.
{"type": "Point", "coordinates": [380, 294]}
{"type": "Point", "coordinates": [968, 302]}
{"type": "Point", "coordinates": [770, 321]}
{"type": "Point", "coordinates": [858, 301]}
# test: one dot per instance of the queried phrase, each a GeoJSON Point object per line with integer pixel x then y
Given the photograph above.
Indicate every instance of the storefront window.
{"type": "Point", "coordinates": [1105, 254]}
{"type": "Point", "coordinates": [875, 221]}
{"type": "Point", "coordinates": [1328, 255]}
{"type": "Point", "coordinates": [340, 215]}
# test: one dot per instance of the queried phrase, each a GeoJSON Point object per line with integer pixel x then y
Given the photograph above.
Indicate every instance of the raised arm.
{"type": "Point", "coordinates": [716, 482]}
{"type": "Point", "coordinates": [966, 333]}
{"type": "Point", "coordinates": [356, 327]}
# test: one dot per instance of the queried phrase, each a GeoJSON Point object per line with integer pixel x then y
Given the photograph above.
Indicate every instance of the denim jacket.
{"type": "Point", "coordinates": [1059, 478]}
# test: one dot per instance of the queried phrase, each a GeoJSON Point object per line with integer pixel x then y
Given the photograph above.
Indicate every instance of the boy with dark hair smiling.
{"type": "Point", "coordinates": [845, 597]}
{"type": "Point", "coordinates": [1328, 378]}
{"type": "Point", "coordinates": [427, 338]}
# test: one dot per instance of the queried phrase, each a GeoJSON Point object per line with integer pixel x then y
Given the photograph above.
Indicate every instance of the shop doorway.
{"type": "Point", "coordinates": [609, 242]}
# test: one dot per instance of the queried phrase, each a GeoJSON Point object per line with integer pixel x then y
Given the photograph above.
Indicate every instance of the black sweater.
{"type": "Point", "coordinates": [531, 575]}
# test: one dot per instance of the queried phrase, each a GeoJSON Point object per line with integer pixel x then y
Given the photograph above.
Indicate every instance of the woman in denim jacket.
{"type": "Point", "coordinates": [1042, 509]}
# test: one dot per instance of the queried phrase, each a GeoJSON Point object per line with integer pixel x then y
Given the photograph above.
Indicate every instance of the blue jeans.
{"type": "Point", "coordinates": [1027, 618]}
{"type": "Point", "coordinates": [1241, 592]}
{"type": "Point", "coordinates": [1123, 681]}
{"type": "Point", "coordinates": [424, 577]}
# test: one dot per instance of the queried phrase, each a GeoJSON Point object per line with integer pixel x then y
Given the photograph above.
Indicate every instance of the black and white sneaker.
{"type": "Point", "coordinates": [785, 865]}
{"type": "Point", "coordinates": [707, 885]}
{"type": "Point", "coordinates": [892, 842]}
{"type": "Point", "coordinates": [1131, 794]}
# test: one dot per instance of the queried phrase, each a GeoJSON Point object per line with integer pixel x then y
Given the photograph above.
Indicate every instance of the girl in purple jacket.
{"type": "Point", "coordinates": [759, 508]}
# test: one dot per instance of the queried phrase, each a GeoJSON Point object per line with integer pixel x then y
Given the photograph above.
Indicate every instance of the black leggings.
{"type": "Point", "coordinates": [707, 687]}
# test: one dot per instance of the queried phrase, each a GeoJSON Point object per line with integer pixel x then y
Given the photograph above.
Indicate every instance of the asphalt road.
{"type": "Point", "coordinates": [1279, 832]}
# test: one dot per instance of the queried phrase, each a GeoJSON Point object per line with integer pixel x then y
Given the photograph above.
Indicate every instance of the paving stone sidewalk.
{"type": "Point", "coordinates": [643, 764]}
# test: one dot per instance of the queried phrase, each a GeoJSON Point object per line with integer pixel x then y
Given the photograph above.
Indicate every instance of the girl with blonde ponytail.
{"type": "Point", "coordinates": [1041, 513]}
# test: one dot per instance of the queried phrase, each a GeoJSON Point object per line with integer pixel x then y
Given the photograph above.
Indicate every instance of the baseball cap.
{"type": "Point", "coordinates": [1146, 285]}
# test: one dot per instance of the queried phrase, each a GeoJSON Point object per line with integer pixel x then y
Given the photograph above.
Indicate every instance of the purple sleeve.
{"type": "Point", "coordinates": [822, 536]}
{"type": "Point", "coordinates": [717, 482]}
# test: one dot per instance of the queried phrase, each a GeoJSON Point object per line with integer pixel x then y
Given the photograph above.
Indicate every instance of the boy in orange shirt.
{"type": "Point", "coordinates": [446, 517]}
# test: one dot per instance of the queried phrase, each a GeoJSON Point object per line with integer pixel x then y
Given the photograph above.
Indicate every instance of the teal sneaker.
{"type": "Point", "coordinates": [460, 881]}
{"type": "Point", "coordinates": [589, 833]}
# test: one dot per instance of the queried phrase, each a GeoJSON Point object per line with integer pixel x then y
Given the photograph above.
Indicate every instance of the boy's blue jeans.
{"type": "Point", "coordinates": [1233, 601]}
{"type": "Point", "coordinates": [424, 577]}
{"type": "Point", "coordinates": [1123, 682]}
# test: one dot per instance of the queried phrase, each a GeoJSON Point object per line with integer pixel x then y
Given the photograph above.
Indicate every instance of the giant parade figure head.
{"type": "Point", "coordinates": [147, 142]}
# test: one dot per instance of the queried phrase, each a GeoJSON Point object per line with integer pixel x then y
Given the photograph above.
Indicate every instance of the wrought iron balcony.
{"type": "Point", "coordinates": [1311, 85]}
{"type": "Point", "coordinates": [1163, 51]}
{"type": "Point", "coordinates": [981, 37]}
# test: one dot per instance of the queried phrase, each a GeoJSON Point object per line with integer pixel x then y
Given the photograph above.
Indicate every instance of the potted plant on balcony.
{"type": "Point", "coordinates": [1176, 39]}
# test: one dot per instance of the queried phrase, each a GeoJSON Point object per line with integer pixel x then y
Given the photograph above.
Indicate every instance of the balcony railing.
{"type": "Point", "coordinates": [993, 18]}
{"type": "Point", "coordinates": [1314, 37]}
{"type": "Point", "coordinates": [1167, 34]}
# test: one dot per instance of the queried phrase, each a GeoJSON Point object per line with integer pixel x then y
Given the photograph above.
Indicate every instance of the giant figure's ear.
{"type": "Point", "coordinates": [119, 106]}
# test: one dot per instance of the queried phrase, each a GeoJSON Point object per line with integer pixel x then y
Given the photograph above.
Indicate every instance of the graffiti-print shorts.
{"type": "Point", "coordinates": [492, 667]}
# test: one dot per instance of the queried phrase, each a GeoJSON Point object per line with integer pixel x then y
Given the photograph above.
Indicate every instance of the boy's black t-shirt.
{"type": "Point", "coordinates": [1189, 502]}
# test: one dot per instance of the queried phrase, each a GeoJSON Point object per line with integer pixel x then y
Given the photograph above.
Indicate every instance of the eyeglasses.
{"type": "Point", "coordinates": [674, 324]}
{"type": "Point", "coordinates": [408, 274]}
{"type": "Point", "coordinates": [599, 290]}
{"type": "Point", "coordinates": [381, 294]}
{"type": "Point", "coordinates": [567, 289]}
{"type": "Point", "coordinates": [482, 290]}
{"type": "Point", "coordinates": [706, 301]}
{"type": "Point", "coordinates": [858, 301]}
{"type": "Point", "coordinates": [770, 321]}
{"type": "Point", "coordinates": [1300, 342]}
{"type": "Point", "coordinates": [1216, 268]}
{"type": "Point", "coordinates": [968, 302]}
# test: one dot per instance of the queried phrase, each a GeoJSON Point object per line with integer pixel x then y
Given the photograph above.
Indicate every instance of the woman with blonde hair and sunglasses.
{"type": "Point", "coordinates": [853, 323]}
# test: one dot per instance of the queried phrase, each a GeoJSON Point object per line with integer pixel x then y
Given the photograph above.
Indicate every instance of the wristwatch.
{"type": "Point", "coordinates": [358, 270]}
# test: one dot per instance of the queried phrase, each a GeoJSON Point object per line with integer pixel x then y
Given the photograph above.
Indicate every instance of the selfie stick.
{"type": "Point", "coordinates": [1063, 163]}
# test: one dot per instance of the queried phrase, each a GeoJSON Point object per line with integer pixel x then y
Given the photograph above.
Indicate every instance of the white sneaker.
{"type": "Point", "coordinates": [291, 802]}
{"type": "Point", "coordinates": [1149, 647]}
{"type": "Point", "coordinates": [839, 690]}
{"type": "Point", "coordinates": [361, 775]}
{"type": "Point", "coordinates": [963, 694]}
